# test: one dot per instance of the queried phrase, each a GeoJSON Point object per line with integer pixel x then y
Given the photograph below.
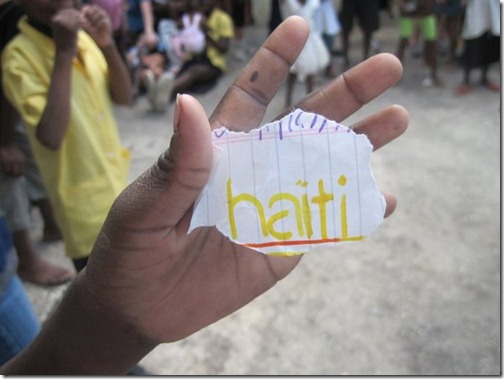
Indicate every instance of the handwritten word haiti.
{"type": "Point", "coordinates": [296, 183]}
{"type": "Point", "coordinates": [299, 211]}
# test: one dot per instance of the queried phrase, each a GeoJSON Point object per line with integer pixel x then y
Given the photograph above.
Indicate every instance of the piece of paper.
{"type": "Point", "coordinates": [294, 184]}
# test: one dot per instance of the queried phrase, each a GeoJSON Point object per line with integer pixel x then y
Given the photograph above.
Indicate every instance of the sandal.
{"type": "Point", "coordinates": [494, 87]}
{"type": "Point", "coordinates": [462, 89]}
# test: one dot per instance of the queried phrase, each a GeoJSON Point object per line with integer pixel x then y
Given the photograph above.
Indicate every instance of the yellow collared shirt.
{"type": "Point", "coordinates": [221, 26]}
{"type": "Point", "coordinates": [90, 169]}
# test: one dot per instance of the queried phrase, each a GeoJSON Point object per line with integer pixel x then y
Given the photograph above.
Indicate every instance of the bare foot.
{"type": "Point", "coordinates": [41, 272]}
{"type": "Point", "coordinates": [462, 89]}
{"type": "Point", "coordinates": [494, 87]}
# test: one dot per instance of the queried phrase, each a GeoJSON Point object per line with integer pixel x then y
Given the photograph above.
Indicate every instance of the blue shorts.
{"type": "Point", "coordinates": [18, 322]}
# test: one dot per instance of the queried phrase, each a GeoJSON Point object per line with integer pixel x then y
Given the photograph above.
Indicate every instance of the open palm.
{"type": "Point", "coordinates": [147, 269]}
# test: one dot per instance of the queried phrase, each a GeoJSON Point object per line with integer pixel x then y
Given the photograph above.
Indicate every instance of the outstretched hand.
{"type": "Point", "coordinates": [146, 269]}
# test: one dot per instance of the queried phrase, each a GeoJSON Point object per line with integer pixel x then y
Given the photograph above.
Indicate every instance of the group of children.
{"type": "Point", "coordinates": [192, 39]}
{"type": "Point", "coordinates": [425, 23]}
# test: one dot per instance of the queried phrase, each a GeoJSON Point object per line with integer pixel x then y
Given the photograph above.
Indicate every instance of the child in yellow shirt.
{"type": "Point", "coordinates": [62, 73]}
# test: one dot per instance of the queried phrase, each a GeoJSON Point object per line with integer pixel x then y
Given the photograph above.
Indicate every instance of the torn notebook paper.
{"type": "Point", "coordinates": [292, 185]}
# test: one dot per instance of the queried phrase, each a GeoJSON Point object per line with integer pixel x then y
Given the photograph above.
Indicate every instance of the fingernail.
{"type": "Point", "coordinates": [176, 116]}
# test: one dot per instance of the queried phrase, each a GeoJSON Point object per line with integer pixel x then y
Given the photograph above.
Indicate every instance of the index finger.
{"type": "Point", "coordinates": [243, 106]}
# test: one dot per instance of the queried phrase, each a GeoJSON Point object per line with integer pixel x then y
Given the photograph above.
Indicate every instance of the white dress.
{"type": "Point", "coordinates": [326, 20]}
{"type": "Point", "coordinates": [481, 16]}
{"type": "Point", "coordinates": [314, 57]}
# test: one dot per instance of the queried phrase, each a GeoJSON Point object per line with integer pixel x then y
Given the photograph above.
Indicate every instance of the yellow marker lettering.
{"type": "Point", "coordinates": [343, 207]}
{"type": "Point", "coordinates": [297, 207]}
{"type": "Point", "coordinates": [233, 200]}
{"type": "Point", "coordinates": [321, 200]}
{"type": "Point", "coordinates": [281, 236]}
{"type": "Point", "coordinates": [306, 214]}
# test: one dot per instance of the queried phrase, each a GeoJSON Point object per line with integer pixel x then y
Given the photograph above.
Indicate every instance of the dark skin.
{"type": "Point", "coordinates": [12, 159]}
{"type": "Point", "coordinates": [147, 280]}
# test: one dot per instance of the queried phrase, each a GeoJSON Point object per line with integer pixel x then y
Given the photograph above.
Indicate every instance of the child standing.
{"type": "Point", "coordinates": [481, 35]}
{"type": "Point", "coordinates": [314, 57]}
{"type": "Point", "coordinates": [423, 11]}
{"type": "Point", "coordinates": [20, 181]}
{"type": "Point", "coordinates": [62, 73]}
{"type": "Point", "coordinates": [328, 25]}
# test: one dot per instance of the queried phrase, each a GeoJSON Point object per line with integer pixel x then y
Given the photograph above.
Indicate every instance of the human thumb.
{"type": "Point", "coordinates": [163, 194]}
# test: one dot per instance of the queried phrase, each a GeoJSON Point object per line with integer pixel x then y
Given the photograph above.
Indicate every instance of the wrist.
{"type": "Point", "coordinates": [107, 47]}
{"type": "Point", "coordinates": [110, 342]}
{"type": "Point", "coordinates": [65, 55]}
{"type": "Point", "coordinates": [82, 337]}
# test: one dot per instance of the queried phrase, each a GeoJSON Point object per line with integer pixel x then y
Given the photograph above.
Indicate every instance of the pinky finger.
{"type": "Point", "coordinates": [391, 203]}
{"type": "Point", "coordinates": [384, 126]}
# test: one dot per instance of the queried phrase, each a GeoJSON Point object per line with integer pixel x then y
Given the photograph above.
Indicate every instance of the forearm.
{"type": "Point", "coordinates": [121, 89]}
{"type": "Point", "coordinates": [8, 121]}
{"type": "Point", "coordinates": [81, 338]}
{"type": "Point", "coordinates": [54, 121]}
{"type": "Point", "coordinates": [147, 16]}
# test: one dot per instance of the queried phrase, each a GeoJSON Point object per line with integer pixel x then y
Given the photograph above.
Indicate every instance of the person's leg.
{"type": "Point", "coordinates": [369, 22]}
{"type": "Point", "coordinates": [452, 28]}
{"type": "Point", "coordinates": [148, 80]}
{"type": "Point", "coordinates": [401, 47]}
{"type": "Point", "coordinates": [35, 188]}
{"type": "Point", "coordinates": [346, 16]}
{"type": "Point", "coordinates": [494, 87]}
{"type": "Point", "coordinates": [18, 322]}
{"type": "Point", "coordinates": [32, 267]}
{"type": "Point", "coordinates": [490, 54]}
{"type": "Point", "coordinates": [467, 76]}
{"type": "Point", "coordinates": [290, 87]}
{"type": "Point", "coordinates": [51, 231]}
{"type": "Point", "coordinates": [415, 42]}
{"type": "Point", "coordinates": [366, 44]}
{"type": "Point", "coordinates": [309, 83]}
{"type": "Point", "coordinates": [132, 55]}
{"type": "Point", "coordinates": [405, 31]}
{"type": "Point", "coordinates": [464, 87]}
{"type": "Point", "coordinates": [429, 31]}
{"type": "Point", "coordinates": [330, 70]}
{"type": "Point", "coordinates": [430, 56]}
{"type": "Point", "coordinates": [345, 36]}
{"type": "Point", "coordinates": [238, 16]}
{"type": "Point", "coordinates": [194, 74]}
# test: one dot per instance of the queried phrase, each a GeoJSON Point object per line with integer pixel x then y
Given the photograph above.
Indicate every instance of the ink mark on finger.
{"type": "Point", "coordinates": [254, 76]}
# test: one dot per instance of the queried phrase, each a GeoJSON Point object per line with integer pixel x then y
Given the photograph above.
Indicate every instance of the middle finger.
{"type": "Point", "coordinates": [242, 107]}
